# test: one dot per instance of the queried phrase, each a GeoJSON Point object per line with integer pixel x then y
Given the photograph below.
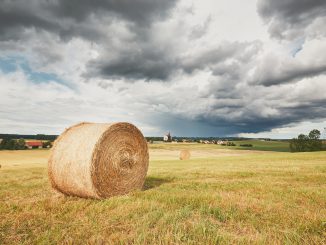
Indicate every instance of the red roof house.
{"type": "Point", "coordinates": [33, 144]}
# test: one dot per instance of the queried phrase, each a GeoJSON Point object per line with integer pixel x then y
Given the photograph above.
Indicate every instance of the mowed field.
{"type": "Point", "coordinates": [222, 195]}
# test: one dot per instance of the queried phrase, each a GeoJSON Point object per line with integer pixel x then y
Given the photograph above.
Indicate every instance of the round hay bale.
{"type": "Point", "coordinates": [184, 155]}
{"type": "Point", "coordinates": [98, 160]}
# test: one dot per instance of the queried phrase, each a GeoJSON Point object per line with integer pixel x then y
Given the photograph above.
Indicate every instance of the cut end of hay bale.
{"type": "Point", "coordinates": [184, 155]}
{"type": "Point", "coordinates": [99, 160]}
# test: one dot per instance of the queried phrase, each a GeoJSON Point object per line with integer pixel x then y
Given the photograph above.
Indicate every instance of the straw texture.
{"type": "Point", "coordinates": [98, 160]}
{"type": "Point", "coordinates": [184, 155]}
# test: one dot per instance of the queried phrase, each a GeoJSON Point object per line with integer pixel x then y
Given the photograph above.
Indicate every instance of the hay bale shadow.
{"type": "Point", "coordinates": [153, 182]}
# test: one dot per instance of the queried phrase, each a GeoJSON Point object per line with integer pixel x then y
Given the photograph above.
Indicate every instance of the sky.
{"type": "Point", "coordinates": [195, 68]}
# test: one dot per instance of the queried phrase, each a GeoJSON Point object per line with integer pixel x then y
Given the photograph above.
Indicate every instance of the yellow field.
{"type": "Point", "coordinates": [219, 196]}
{"type": "Point", "coordinates": [23, 158]}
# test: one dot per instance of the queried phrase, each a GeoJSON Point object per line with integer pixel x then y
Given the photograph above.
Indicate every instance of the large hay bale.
{"type": "Point", "coordinates": [99, 160]}
{"type": "Point", "coordinates": [184, 155]}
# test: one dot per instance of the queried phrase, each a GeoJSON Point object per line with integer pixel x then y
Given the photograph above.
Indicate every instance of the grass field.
{"type": "Point", "coordinates": [282, 146]}
{"type": "Point", "coordinates": [220, 196]}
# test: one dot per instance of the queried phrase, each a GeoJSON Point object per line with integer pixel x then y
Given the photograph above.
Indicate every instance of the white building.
{"type": "Point", "coordinates": [167, 137]}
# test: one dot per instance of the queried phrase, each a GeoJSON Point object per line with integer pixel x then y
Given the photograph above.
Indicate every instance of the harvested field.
{"type": "Point", "coordinates": [218, 196]}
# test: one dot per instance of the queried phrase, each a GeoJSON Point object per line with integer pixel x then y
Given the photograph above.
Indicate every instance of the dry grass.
{"type": "Point", "coordinates": [235, 197]}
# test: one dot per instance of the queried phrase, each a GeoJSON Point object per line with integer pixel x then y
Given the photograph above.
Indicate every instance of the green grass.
{"type": "Point", "coordinates": [245, 198]}
{"type": "Point", "coordinates": [258, 145]}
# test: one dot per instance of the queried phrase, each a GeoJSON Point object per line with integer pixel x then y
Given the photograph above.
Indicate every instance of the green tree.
{"type": "Point", "coordinates": [46, 144]}
{"type": "Point", "coordinates": [315, 143]}
{"type": "Point", "coordinates": [2, 144]}
{"type": "Point", "coordinates": [309, 142]}
{"type": "Point", "coordinates": [8, 144]}
{"type": "Point", "coordinates": [303, 142]}
{"type": "Point", "coordinates": [20, 144]}
{"type": "Point", "coordinates": [11, 144]}
{"type": "Point", "coordinates": [314, 134]}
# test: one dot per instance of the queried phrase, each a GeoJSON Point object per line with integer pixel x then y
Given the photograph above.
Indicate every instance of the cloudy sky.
{"type": "Point", "coordinates": [196, 68]}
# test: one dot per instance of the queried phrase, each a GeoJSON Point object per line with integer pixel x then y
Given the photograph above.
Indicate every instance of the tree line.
{"type": "Point", "coordinates": [27, 136]}
{"type": "Point", "coordinates": [19, 144]}
{"type": "Point", "coordinates": [310, 142]}
{"type": "Point", "coordinates": [11, 144]}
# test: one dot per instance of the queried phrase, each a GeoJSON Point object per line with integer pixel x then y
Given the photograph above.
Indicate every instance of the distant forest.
{"type": "Point", "coordinates": [32, 137]}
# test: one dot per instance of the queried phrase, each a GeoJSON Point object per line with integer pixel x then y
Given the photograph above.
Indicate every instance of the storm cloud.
{"type": "Point", "coordinates": [66, 17]}
{"type": "Point", "coordinates": [165, 65]}
{"type": "Point", "coordinates": [291, 18]}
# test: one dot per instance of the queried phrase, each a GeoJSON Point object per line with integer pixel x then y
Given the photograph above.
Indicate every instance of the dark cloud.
{"type": "Point", "coordinates": [277, 72]}
{"type": "Point", "coordinates": [291, 75]}
{"type": "Point", "coordinates": [250, 120]}
{"type": "Point", "coordinates": [150, 61]}
{"type": "Point", "coordinates": [138, 11]}
{"type": "Point", "coordinates": [143, 62]}
{"type": "Point", "coordinates": [104, 22]}
{"type": "Point", "coordinates": [12, 23]}
{"type": "Point", "coordinates": [68, 18]}
{"type": "Point", "coordinates": [140, 55]}
{"type": "Point", "coordinates": [255, 109]}
{"type": "Point", "coordinates": [289, 18]}
{"type": "Point", "coordinates": [220, 59]}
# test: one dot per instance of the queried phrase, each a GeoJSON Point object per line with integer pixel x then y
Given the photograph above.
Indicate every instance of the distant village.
{"type": "Point", "coordinates": [167, 138]}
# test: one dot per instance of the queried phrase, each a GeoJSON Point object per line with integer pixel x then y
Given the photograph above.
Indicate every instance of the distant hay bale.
{"type": "Point", "coordinates": [184, 155]}
{"type": "Point", "coordinates": [98, 160]}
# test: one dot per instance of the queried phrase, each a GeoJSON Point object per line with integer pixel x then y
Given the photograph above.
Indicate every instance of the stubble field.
{"type": "Point", "coordinates": [220, 196]}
